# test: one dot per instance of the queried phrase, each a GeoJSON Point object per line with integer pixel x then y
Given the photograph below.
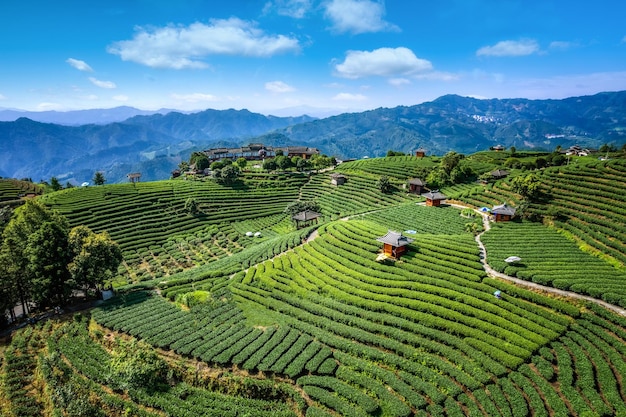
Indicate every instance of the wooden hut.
{"type": "Point", "coordinates": [304, 218]}
{"type": "Point", "coordinates": [498, 174]}
{"type": "Point", "coordinates": [416, 185]}
{"type": "Point", "coordinates": [420, 153]}
{"type": "Point", "coordinates": [133, 176]}
{"type": "Point", "coordinates": [502, 213]}
{"type": "Point", "coordinates": [338, 179]}
{"type": "Point", "coordinates": [434, 198]}
{"type": "Point", "coordinates": [394, 244]}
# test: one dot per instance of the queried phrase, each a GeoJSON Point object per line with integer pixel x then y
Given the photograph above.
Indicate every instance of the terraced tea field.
{"type": "Point", "coordinates": [283, 326]}
{"type": "Point", "coordinates": [421, 336]}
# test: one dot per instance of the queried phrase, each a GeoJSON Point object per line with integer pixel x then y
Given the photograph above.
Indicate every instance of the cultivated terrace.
{"type": "Point", "coordinates": [226, 306]}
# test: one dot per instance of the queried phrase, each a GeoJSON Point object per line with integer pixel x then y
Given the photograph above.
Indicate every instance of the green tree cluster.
{"type": "Point", "coordinates": [528, 186]}
{"type": "Point", "coordinates": [43, 261]}
{"type": "Point", "coordinates": [227, 175]}
{"type": "Point", "coordinates": [451, 170]}
{"type": "Point", "coordinates": [299, 206]}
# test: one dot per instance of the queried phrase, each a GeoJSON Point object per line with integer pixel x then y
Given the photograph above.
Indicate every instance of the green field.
{"type": "Point", "coordinates": [280, 326]}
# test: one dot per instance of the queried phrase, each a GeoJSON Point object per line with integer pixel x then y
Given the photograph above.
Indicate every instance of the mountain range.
{"type": "Point", "coordinates": [154, 144]}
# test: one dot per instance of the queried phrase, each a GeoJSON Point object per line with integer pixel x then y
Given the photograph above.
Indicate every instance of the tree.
{"type": "Point", "coordinates": [299, 206]}
{"type": "Point", "coordinates": [55, 184]}
{"type": "Point", "coordinates": [227, 175]}
{"type": "Point", "coordinates": [437, 178]}
{"type": "Point", "coordinates": [513, 150]}
{"type": "Point", "coordinates": [48, 255]}
{"type": "Point", "coordinates": [27, 220]}
{"type": "Point", "coordinates": [320, 161]}
{"type": "Point", "coordinates": [95, 257]}
{"type": "Point", "coordinates": [200, 160]}
{"type": "Point", "coordinates": [242, 163]}
{"type": "Point", "coordinates": [217, 165]}
{"type": "Point", "coordinates": [282, 162]}
{"type": "Point", "coordinates": [384, 185]}
{"type": "Point", "coordinates": [98, 178]}
{"type": "Point", "coordinates": [183, 166]}
{"type": "Point", "coordinates": [528, 186]}
{"type": "Point", "coordinates": [303, 164]}
{"type": "Point", "coordinates": [269, 164]}
{"type": "Point", "coordinates": [450, 160]}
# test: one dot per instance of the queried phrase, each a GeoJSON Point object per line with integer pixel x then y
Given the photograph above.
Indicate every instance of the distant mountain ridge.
{"type": "Point", "coordinates": [155, 144]}
{"type": "Point", "coordinates": [467, 125]}
{"type": "Point", "coordinates": [79, 117]}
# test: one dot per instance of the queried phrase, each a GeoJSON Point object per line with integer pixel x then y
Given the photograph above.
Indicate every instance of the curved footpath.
{"type": "Point", "coordinates": [493, 273]}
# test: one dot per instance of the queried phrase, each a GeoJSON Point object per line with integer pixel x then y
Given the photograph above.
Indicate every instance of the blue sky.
{"type": "Point", "coordinates": [272, 55]}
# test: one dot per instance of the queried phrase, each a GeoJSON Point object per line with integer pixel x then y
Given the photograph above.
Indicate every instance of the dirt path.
{"type": "Point", "coordinates": [533, 285]}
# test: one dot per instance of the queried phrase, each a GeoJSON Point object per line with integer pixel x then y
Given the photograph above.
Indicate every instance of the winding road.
{"type": "Point", "coordinates": [493, 273]}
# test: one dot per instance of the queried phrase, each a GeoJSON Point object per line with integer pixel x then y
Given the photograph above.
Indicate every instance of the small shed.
{"type": "Point", "coordinates": [338, 179]}
{"type": "Point", "coordinates": [498, 148]}
{"type": "Point", "coordinates": [394, 244]}
{"type": "Point", "coordinates": [306, 217]}
{"type": "Point", "coordinates": [133, 176]}
{"type": "Point", "coordinates": [502, 213]}
{"type": "Point", "coordinates": [498, 174]}
{"type": "Point", "coordinates": [416, 185]}
{"type": "Point", "coordinates": [434, 198]}
{"type": "Point", "coordinates": [420, 153]}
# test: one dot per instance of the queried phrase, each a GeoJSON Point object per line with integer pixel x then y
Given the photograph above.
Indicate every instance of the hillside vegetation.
{"type": "Point", "coordinates": [310, 322]}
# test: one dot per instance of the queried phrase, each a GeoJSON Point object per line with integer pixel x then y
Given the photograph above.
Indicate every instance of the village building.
{"type": "Point", "coordinates": [497, 148]}
{"type": "Point", "coordinates": [434, 198]}
{"type": "Point", "coordinates": [394, 244]}
{"type": "Point", "coordinates": [305, 218]}
{"type": "Point", "coordinates": [420, 153]}
{"type": "Point", "coordinates": [577, 151]}
{"type": "Point", "coordinates": [258, 152]}
{"type": "Point", "coordinates": [416, 185]}
{"type": "Point", "coordinates": [338, 179]}
{"type": "Point", "coordinates": [503, 213]}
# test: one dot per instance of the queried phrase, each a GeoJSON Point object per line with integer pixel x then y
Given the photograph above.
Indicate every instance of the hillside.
{"type": "Point", "coordinates": [323, 327]}
{"type": "Point", "coordinates": [467, 125]}
{"type": "Point", "coordinates": [155, 144]}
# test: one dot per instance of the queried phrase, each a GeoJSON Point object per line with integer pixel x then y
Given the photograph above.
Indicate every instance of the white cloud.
{"type": "Point", "coordinates": [349, 97]}
{"type": "Point", "coordinates": [121, 97]}
{"type": "Point", "coordinates": [510, 48]}
{"type": "Point", "coordinates": [181, 47]}
{"type": "Point", "coordinates": [357, 16]}
{"type": "Point", "coordinates": [384, 62]}
{"type": "Point", "coordinates": [296, 9]}
{"type": "Point", "coordinates": [195, 97]}
{"type": "Point", "coordinates": [102, 84]}
{"type": "Point", "coordinates": [397, 82]}
{"type": "Point", "coordinates": [3, 97]}
{"type": "Point", "coordinates": [561, 45]}
{"type": "Point", "coordinates": [278, 87]}
{"type": "Point", "coordinates": [79, 65]}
